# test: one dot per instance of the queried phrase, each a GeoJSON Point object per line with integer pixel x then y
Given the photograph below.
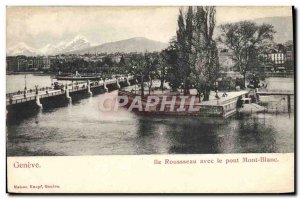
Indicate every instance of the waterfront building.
{"type": "Point", "coordinates": [22, 63]}
{"type": "Point", "coordinates": [46, 63]}
{"type": "Point", "coordinates": [278, 57]}
{"type": "Point", "coordinates": [290, 60]}
{"type": "Point", "coordinates": [12, 64]}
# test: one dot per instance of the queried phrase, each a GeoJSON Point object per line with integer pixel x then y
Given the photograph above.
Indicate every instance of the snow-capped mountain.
{"type": "Point", "coordinates": [79, 42]}
{"type": "Point", "coordinates": [48, 49]}
{"type": "Point", "coordinates": [136, 44]}
{"type": "Point", "coordinates": [22, 49]}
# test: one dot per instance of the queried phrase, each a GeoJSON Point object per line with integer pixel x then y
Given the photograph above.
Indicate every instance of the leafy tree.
{"type": "Point", "coordinates": [177, 54]}
{"type": "Point", "coordinates": [143, 66]}
{"type": "Point", "coordinates": [108, 61]}
{"type": "Point", "coordinates": [204, 51]}
{"type": "Point", "coordinates": [246, 39]}
{"type": "Point", "coordinates": [152, 64]}
{"type": "Point", "coordinates": [162, 68]}
{"type": "Point", "coordinates": [174, 70]}
{"type": "Point", "coordinates": [182, 48]}
{"type": "Point", "coordinates": [193, 57]}
{"type": "Point", "coordinates": [122, 62]}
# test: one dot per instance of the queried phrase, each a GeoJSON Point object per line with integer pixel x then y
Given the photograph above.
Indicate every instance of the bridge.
{"type": "Point", "coordinates": [35, 95]}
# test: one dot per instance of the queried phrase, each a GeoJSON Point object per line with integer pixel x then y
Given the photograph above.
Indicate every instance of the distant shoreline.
{"type": "Point", "coordinates": [29, 73]}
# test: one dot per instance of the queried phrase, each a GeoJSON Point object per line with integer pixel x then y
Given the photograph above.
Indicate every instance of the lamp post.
{"type": "Point", "coordinates": [134, 67]}
{"type": "Point", "coordinates": [25, 88]}
{"type": "Point", "coordinates": [51, 81]}
{"type": "Point", "coordinates": [36, 89]}
{"type": "Point", "coordinates": [216, 90]}
{"type": "Point", "coordinates": [216, 87]}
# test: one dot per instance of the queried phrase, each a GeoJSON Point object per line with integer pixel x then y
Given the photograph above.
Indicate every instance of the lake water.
{"type": "Point", "coordinates": [15, 83]}
{"type": "Point", "coordinates": [80, 128]}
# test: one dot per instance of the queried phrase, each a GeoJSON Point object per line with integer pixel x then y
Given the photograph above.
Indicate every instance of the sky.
{"type": "Point", "coordinates": [39, 26]}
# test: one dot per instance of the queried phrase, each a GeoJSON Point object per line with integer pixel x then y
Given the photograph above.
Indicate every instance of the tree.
{"type": "Point", "coordinates": [177, 55]}
{"type": "Point", "coordinates": [151, 68]}
{"type": "Point", "coordinates": [174, 70]}
{"type": "Point", "coordinates": [202, 50]}
{"type": "Point", "coordinates": [206, 61]}
{"type": "Point", "coordinates": [143, 67]}
{"type": "Point", "coordinates": [162, 68]}
{"type": "Point", "coordinates": [122, 62]}
{"type": "Point", "coordinates": [182, 47]}
{"type": "Point", "coordinates": [246, 39]}
{"type": "Point", "coordinates": [137, 68]}
{"type": "Point", "coordinates": [192, 57]}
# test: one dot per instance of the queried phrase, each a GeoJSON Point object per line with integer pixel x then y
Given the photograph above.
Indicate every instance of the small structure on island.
{"type": "Point", "coordinates": [174, 103]}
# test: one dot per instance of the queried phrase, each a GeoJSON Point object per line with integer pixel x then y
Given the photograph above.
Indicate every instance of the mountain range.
{"type": "Point", "coordinates": [136, 44]}
{"type": "Point", "coordinates": [21, 49]}
{"type": "Point", "coordinates": [78, 42]}
{"type": "Point", "coordinates": [80, 45]}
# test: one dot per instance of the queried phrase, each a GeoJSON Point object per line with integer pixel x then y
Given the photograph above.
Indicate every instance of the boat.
{"type": "Point", "coordinates": [76, 77]}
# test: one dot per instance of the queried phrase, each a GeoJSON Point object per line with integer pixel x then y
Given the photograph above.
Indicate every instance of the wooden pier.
{"type": "Point", "coordinates": [273, 93]}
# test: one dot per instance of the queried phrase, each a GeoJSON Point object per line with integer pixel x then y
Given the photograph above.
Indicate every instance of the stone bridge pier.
{"type": "Point", "coordinates": [105, 86]}
{"type": "Point", "coordinates": [89, 88]}
{"type": "Point", "coordinates": [68, 94]}
{"type": "Point", "coordinates": [38, 102]}
{"type": "Point", "coordinates": [118, 84]}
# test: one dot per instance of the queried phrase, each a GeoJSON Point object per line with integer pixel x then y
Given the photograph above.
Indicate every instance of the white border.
{"type": "Point", "coordinates": [152, 2]}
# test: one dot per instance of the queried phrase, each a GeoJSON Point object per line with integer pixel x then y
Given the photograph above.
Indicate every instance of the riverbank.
{"type": "Point", "coordinates": [30, 73]}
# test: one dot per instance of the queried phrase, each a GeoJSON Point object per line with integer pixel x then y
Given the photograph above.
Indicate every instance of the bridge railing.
{"type": "Point", "coordinates": [275, 93]}
{"type": "Point", "coordinates": [52, 94]}
{"type": "Point", "coordinates": [76, 87]}
{"type": "Point", "coordinates": [29, 98]}
{"type": "Point", "coordinates": [17, 101]}
{"type": "Point", "coordinates": [9, 95]}
{"type": "Point", "coordinates": [279, 74]}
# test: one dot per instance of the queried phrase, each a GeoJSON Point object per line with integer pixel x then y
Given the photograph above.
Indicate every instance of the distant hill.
{"type": "Point", "coordinates": [282, 25]}
{"type": "Point", "coordinates": [136, 44]}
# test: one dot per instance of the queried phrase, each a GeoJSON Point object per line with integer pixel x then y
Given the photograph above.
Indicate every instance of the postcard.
{"type": "Point", "coordinates": [165, 100]}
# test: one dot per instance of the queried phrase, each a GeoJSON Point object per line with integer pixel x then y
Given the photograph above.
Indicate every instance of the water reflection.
{"type": "Point", "coordinates": [255, 136]}
{"type": "Point", "coordinates": [214, 135]}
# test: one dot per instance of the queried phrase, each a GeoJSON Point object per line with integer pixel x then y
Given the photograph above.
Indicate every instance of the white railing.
{"type": "Point", "coordinates": [75, 88]}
